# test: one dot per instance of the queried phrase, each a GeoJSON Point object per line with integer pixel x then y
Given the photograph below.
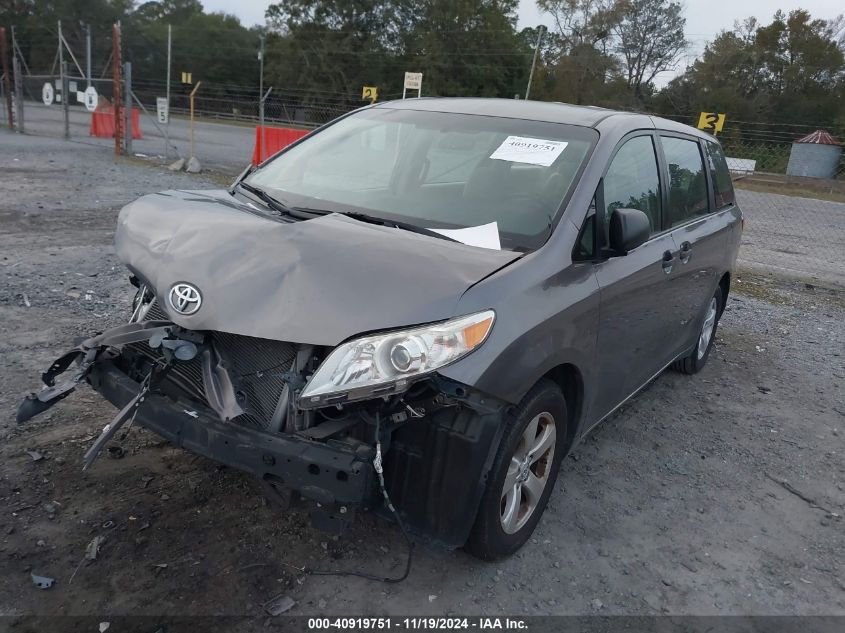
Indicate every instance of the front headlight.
{"type": "Point", "coordinates": [386, 363]}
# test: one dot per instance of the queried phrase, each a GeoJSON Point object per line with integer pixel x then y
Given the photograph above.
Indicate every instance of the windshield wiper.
{"type": "Point", "coordinates": [277, 205]}
{"type": "Point", "coordinates": [405, 226]}
{"type": "Point", "coordinates": [303, 213]}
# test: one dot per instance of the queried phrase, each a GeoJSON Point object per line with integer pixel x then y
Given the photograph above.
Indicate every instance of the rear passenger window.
{"type": "Point", "coordinates": [687, 182]}
{"type": "Point", "coordinates": [632, 181]}
{"type": "Point", "coordinates": [720, 175]}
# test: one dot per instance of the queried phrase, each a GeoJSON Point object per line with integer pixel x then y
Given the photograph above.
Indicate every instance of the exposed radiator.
{"type": "Point", "coordinates": [256, 367]}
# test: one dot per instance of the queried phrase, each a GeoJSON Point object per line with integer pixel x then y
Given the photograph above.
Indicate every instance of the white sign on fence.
{"type": "Point", "coordinates": [91, 98]}
{"type": "Point", "coordinates": [413, 81]}
{"type": "Point", "coordinates": [71, 86]}
{"type": "Point", "coordinates": [162, 109]}
{"type": "Point", "coordinates": [47, 93]}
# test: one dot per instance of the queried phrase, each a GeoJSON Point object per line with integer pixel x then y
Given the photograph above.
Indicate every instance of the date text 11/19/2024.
{"type": "Point", "coordinates": [418, 623]}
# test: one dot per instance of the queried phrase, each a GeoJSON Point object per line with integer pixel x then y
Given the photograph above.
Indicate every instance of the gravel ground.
{"type": "Point", "coordinates": [721, 493]}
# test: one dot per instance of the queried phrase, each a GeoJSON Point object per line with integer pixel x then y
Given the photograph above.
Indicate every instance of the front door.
{"type": "Point", "coordinates": [639, 330]}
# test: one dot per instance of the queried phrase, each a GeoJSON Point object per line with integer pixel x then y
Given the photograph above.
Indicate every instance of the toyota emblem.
{"type": "Point", "coordinates": [184, 298]}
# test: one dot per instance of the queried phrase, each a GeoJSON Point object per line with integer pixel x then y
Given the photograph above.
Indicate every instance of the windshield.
{"type": "Point", "coordinates": [436, 170]}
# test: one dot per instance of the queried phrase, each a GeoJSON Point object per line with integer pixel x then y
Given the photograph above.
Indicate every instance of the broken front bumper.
{"type": "Point", "coordinates": [322, 472]}
{"type": "Point", "coordinates": [435, 464]}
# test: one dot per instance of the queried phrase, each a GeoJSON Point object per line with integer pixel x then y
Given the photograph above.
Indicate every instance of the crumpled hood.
{"type": "Point", "coordinates": [317, 281]}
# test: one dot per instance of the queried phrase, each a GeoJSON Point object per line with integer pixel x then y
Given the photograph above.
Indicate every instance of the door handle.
{"type": "Point", "coordinates": [668, 262]}
{"type": "Point", "coordinates": [686, 252]}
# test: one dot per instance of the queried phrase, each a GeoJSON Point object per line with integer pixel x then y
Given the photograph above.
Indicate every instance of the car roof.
{"type": "Point", "coordinates": [551, 112]}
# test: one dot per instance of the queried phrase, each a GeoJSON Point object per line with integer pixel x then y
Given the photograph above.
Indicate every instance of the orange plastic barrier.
{"type": "Point", "coordinates": [276, 138]}
{"type": "Point", "coordinates": [102, 123]}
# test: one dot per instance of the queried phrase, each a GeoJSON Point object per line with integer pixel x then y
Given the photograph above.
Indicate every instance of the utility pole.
{"type": "Point", "coordinates": [167, 95]}
{"type": "Point", "coordinates": [534, 61]}
{"type": "Point", "coordinates": [88, 55]}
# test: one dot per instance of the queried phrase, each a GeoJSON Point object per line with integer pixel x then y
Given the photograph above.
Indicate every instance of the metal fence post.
{"type": "Point", "coordinates": [88, 56]}
{"type": "Point", "coordinates": [16, 70]}
{"type": "Point", "coordinates": [116, 87]}
{"type": "Point", "coordinates": [66, 100]}
{"type": "Point", "coordinates": [127, 108]}
{"type": "Point", "coordinates": [167, 93]}
{"type": "Point", "coordinates": [7, 84]}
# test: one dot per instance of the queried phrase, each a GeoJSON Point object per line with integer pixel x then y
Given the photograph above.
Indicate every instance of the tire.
{"type": "Point", "coordinates": [505, 521]}
{"type": "Point", "coordinates": [695, 361]}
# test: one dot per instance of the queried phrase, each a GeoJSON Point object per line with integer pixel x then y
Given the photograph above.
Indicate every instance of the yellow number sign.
{"type": "Point", "coordinates": [187, 78]}
{"type": "Point", "coordinates": [371, 93]}
{"type": "Point", "coordinates": [711, 122]}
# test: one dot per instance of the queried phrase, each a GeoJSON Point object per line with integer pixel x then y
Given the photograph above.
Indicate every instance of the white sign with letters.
{"type": "Point", "coordinates": [413, 81]}
{"type": "Point", "coordinates": [532, 151]}
{"type": "Point", "coordinates": [162, 109]}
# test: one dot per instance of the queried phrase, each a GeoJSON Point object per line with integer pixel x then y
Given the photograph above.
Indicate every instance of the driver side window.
{"type": "Point", "coordinates": [632, 181]}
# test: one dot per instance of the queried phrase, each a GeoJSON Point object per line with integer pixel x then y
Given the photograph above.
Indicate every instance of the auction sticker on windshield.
{"type": "Point", "coordinates": [533, 151]}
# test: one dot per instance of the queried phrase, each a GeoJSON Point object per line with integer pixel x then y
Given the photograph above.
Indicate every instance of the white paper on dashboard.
{"type": "Point", "coordinates": [485, 236]}
{"type": "Point", "coordinates": [534, 151]}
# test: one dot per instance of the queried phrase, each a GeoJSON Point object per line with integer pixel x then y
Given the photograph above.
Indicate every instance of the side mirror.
{"type": "Point", "coordinates": [629, 228]}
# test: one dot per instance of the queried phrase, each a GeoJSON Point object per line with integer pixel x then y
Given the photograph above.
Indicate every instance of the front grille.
{"type": "Point", "coordinates": [255, 365]}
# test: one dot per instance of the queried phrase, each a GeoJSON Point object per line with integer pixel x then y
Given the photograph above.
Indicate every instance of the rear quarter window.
{"type": "Point", "coordinates": [723, 189]}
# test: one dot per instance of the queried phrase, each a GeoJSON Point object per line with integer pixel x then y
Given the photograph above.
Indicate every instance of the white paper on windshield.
{"type": "Point", "coordinates": [534, 151]}
{"type": "Point", "coordinates": [485, 236]}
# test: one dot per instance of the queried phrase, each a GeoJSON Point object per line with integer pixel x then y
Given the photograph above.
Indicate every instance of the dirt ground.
{"type": "Point", "coordinates": [721, 493]}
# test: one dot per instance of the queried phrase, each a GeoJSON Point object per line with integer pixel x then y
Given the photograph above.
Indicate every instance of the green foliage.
{"type": "Point", "coordinates": [462, 47]}
{"type": "Point", "coordinates": [790, 71]}
{"type": "Point", "coordinates": [599, 52]}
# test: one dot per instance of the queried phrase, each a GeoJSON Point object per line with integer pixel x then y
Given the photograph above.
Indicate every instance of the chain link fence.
{"type": "Point", "coordinates": [793, 198]}
{"type": "Point", "coordinates": [790, 179]}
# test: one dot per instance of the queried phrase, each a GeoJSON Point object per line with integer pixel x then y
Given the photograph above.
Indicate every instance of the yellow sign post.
{"type": "Point", "coordinates": [711, 122]}
{"type": "Point", "coordinates": [191, 96]}
{"type": "Point", "coordinates": [370, 92]}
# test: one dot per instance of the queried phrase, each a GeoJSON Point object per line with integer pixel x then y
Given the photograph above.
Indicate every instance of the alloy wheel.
{"type": "Point", "coordinates": [528, 472]}
{"type": "Point", "coordinates": [707, 328]}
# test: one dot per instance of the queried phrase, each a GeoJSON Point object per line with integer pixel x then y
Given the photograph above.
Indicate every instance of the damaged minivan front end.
{"type": "Point", "coordinates": [273, 378]}
{"type": "Point", "coordinates": [392, 314]}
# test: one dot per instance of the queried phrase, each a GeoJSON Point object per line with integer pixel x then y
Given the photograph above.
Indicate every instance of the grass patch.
{"type": "Point", "coordinates": [794, 292]}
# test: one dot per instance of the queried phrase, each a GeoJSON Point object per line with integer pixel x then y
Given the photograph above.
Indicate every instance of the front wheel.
{"type": "Point", "coordinates": [523, 474]}
{"type": "Point", "coordinates": [694, 362]}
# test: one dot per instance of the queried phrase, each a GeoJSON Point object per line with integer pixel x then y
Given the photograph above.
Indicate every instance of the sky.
{"type": "Point", "coordinates": [705, 18]}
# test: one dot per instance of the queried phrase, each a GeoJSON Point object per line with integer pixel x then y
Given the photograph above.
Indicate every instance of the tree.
{"type": "Point", "coordinates": [583, 69]}
{"type": "Point", "coordinates": [650, 40]}
{"type": "Point", "coordinates": [468, 47]}
{"type": "Point", "coordinates": [333, 46]}
{"type": "Point", "coordinates": [462, 47]}
{"type": "Point", "coordinates": [791, 70]}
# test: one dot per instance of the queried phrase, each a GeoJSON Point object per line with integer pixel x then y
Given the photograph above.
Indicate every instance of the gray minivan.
{"type": "Point", "coordinates": [419, 308]}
